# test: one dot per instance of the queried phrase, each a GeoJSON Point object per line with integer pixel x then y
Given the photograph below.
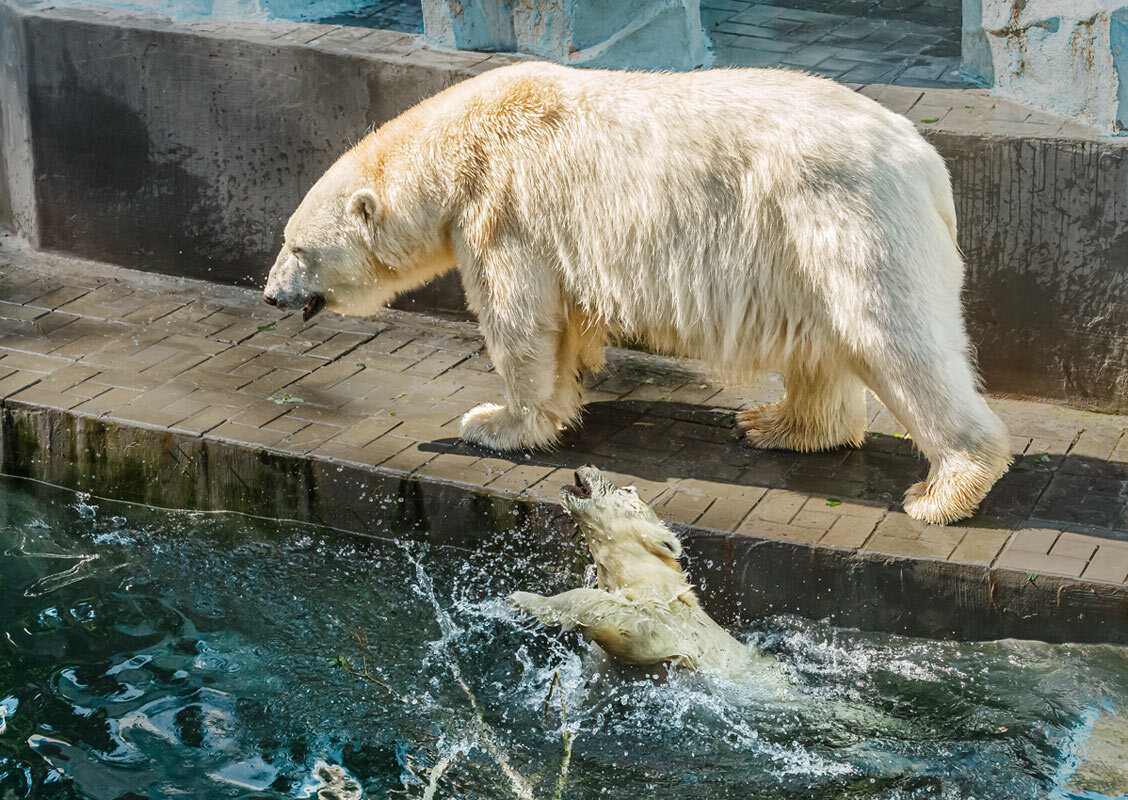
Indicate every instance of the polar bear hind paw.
{"type": "Point", "coordinates": [953, 493]}
{"type": "Point", "coordinates": [768, 427]}
{"type": "Point", "coordinates": [498, 428]}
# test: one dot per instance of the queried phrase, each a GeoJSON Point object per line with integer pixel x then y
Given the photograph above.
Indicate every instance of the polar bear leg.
{"type": "Point", "coordinates": [824, 408]}
{"type": "Point", "coordinates": [967, 447]}
{"type": "Point", "coordinates": [576, 608]}
{"type": "Point", "coordinates": [542, 392]}
{"type": "Point", "coordinates": [619, 626]}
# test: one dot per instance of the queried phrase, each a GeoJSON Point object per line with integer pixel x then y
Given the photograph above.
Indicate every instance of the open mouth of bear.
{"type": "Point", "coordinates": [578, 489]}
{"type": "Point", "coordinates": [314, 304]}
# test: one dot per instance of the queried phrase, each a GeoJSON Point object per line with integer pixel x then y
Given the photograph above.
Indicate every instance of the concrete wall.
{"type": "Point", "coordinates": [1044, 231]}
{"type": "Point", "coordinates": [183, 148]}
{"type": "Point", "coordinates": [17, 195]}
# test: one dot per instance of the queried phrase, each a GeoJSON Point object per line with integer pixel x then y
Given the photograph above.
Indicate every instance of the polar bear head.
{"type": "Point", "coordinates": [631, 547]}
{"type": "Point", "coordinates": [369, 229]}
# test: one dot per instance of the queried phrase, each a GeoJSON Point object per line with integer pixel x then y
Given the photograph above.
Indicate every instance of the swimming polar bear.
{"type": "Point", "coordinates": [644, 611]}
{"type": "Point", "coordinates": [753, 219]}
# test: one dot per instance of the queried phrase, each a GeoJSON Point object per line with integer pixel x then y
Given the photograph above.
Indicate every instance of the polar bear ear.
{"type": "Point", "coordinates": [364, 206]}
{"type": "Point", "coordinates": [665, 544]}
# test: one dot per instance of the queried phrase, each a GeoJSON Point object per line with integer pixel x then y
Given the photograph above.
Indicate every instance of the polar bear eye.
{"type": "Point", "coordinates": [295, 250]}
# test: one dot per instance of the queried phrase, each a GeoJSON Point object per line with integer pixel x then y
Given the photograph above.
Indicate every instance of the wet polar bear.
{"type": "Point", "coordinates": [643, 610]}
{"type": "Point", "coordinates": [754, 219]}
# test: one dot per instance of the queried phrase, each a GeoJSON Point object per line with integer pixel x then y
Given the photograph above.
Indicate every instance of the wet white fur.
{"type": "Point", "coordinates": [643, 610]}
{"type": "Point", "coordinates": [754, 219]}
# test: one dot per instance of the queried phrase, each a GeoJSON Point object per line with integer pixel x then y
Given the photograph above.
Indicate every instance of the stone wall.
{"type": "Point", "coordinates": [1065, 56]}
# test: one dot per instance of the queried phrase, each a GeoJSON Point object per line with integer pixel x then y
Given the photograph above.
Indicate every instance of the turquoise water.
{"type": "Point", "coordinates": [147, 653]}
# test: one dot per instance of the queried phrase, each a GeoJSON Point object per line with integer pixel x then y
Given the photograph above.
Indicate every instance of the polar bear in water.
{"type": "Point", "coordinates": [644, 611]}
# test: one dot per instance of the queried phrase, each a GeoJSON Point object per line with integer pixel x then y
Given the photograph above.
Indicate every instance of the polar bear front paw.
{"type": "Point", "coordinates": [532, 604]}
{"type": "Point", "coordinates": [498, 428]}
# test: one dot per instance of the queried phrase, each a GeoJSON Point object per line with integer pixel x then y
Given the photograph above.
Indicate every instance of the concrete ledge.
{"type": "Point", "coordinates": [206, 136]}
{"type": "Point", "coordinates": [742, 577]}
{"type": "Point", "coordinates": [182, 393]}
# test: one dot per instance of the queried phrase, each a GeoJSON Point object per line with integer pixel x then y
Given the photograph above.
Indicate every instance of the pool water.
{"type": "Point", "coordinates": [149, 653]}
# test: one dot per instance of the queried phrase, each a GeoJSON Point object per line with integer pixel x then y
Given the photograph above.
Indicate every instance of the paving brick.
{"type": "Point", "coordinates": [1108, 564]}
{"type": "Point", "coordinates": [327, 416]}
{"type": "Point", "coordinates": [520, 478]}
{"type": "Point", "coordinates": [1075, 545]}
{"type": "Point", "coordinates": [900, 546]}
{"type": "Point", "coordinates": [775, 530]}
{"type": "Point", "coordinates": [259, 413]}
{"type": "Point", "coordinates": [407, 459]}
{"type": "Point", "coordinates": [901, 526]}
{"type": "Point", "coordinates": [203, 420]}
{"type": "Point", "coordinates": [108, 401]}
{"type": "Point", "coordinates": [306, 438]}
{"type": "Point", "coordinates": [980, 546]}
{"type": "Point", "coordinates": [67, 378]}
{"type": "Point", "coordinates": [1040, 564]}
{"type": "Point", "coordinates": [846, 508]}
{"type": "Point", "coordinates": [35, 396]}
{"type": "Point", "coordinates": [851, 532]}
{"type": "Point", "coordinates": [821, 520]}
{"type": "Point", "coordinates": [458, 467]}
{"type": "Point", "coordinates": [779, 506]}
{"type": "Point", "coordinates": [361, 433]}
{"type": "Point", "coordinates": [726, 513]}
{"type": "Point", "coordinates": [1035, 540]}
{"type": "Point", "coordinates": [273, 382]}
{"type": "Point", "coordinates": [19, 312]}
{"type": "Point", "coordinates": [338, 345]}
{"type": "Point", "coordinates": [145, 415]}
{"type": "Point", "coordinates": [683, 506]}
{"type": "Point", "coordinates": [29, 362]}
{"type": "Point", "coordinates": [245, 434]}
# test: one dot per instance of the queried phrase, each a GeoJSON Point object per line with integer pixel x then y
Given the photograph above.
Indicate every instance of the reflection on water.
{"type": "Point", "coordinates": [147, 653]}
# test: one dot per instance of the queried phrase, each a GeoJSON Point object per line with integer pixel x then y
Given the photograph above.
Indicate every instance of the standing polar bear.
{"type": "Point", "coordinates": [754, 219]}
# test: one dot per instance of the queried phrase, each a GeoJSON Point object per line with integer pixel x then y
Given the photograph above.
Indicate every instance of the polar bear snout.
{"type": "Point", "coordinates": [289, 286]}
{"type": "Point", "coordinates": [591, 485]}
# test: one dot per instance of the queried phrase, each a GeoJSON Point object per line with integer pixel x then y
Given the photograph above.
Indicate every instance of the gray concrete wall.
{"type": "Point", "coordinates": [1044, 230]}
{"type": "Point", "coordinates": [183, 148]}
{"type": "Point", "coordinates": [17, 197]}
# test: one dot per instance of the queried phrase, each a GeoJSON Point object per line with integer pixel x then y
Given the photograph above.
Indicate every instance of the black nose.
{"type": "Point", "coordinates": [270, 301]}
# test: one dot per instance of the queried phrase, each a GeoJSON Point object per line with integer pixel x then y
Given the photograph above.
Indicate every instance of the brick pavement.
{"type": "Point", "coordinates": [387, 392]}
{"type": "Point", "coordinates": [905, 42]}
{"type": "Point", "coordinates": [930, 105]}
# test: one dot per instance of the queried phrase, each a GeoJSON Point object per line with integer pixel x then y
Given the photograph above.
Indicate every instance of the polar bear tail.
{"type": "Point", "coordinates": [940, 182]}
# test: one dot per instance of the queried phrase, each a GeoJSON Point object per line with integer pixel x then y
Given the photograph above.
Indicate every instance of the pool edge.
{"type": "Point", "coordinates": [741, 577]}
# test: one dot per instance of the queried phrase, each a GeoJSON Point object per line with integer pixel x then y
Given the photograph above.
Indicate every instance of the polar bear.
{"type": "Point", "coordinates": [644, 611]}
{"type": "Point", "coordinates": [753, 219]}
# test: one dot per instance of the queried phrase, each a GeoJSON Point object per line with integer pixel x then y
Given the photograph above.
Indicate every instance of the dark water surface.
{"type": "Point", "coordinates": [147, 653]}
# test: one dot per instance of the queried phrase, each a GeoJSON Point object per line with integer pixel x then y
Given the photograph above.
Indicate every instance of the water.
{"type": "Point", "coordinates": [153, 654]}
